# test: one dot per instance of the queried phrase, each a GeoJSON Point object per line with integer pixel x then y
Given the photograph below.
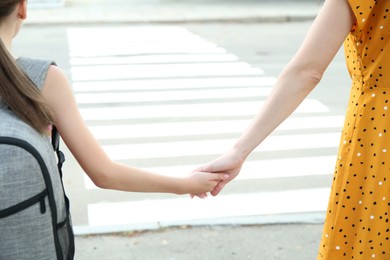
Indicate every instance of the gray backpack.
{"type": "Point", "coordinates": [35, 221]}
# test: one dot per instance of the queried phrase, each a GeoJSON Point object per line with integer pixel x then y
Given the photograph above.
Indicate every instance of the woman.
{"type": "Point", "coordinates": [356, 225]}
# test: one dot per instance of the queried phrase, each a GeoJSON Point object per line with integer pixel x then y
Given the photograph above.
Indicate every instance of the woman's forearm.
{"type": "Point", "coordinates": [302, 74]}
{"type": "Point", "coordinates": [291, 88]}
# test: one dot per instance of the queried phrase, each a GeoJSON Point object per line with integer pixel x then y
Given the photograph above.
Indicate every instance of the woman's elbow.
{"type": "Point", "coordinates": [314, 77]}
{"type": "Point", "coordinates": [309, 78]}
{"type": "Point", "coordinates": [306, 74]}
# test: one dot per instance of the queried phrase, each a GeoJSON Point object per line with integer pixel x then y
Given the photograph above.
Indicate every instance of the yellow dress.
{"type": "Point", "coordinates": [357, 220]}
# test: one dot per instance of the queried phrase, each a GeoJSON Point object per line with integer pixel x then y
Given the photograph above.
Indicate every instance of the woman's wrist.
{"type": "Point", "coordinates": [240, 152]}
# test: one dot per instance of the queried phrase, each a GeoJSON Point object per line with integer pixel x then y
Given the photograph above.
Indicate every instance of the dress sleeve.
{"type": "Point", "coordinates": [362, 10]}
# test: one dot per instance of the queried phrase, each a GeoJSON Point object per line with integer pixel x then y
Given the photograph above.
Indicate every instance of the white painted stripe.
{"type": "Point", "coordinates": [186, 83]}
{"type": "Point", "coordinates": [207, 127]}
{"type": "Point", "coordinates": [129, 34]}
{"type": "Point", "coordinates": [268, 169]}
{"type": "Point", "coordinates": [88, 46]}
{"type": "Point", "coordinates": [150, 59]}
{"type": "Point", "coordinates": [187, 48]}
{"type": "Point", "coordinates": [143, 48]}
{"type": "Point", "coordinates": [134, 33]}
{"type": "Point", "coordinates": [89, 42]}
{"type": "Point", "coordinates": [190, 110]}
{"type": "Point", "coordinates": [209, 147]}
{"type": "Point", "coordinates": [90, 39]}
{"type": "Point", "coordinates": [289, 218]}
{"type": "Point", "coordinates": [255, 170]}
{"type": "Point", "coordinates": [106, 72]}
{"type": "Point", "coordinates": [155, 96]}
{"type": "Point", "coordinates": [187, 210]}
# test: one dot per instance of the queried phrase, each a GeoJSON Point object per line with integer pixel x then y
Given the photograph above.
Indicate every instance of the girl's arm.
{"type": "Point", "coordinates": [296, 81]}
{"type": "Point", "coordinates": [102, 170]}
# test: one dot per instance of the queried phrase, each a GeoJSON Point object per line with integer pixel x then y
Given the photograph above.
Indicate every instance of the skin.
{"type": "Point", "coordinates": [297, 80]}
{"type": "Point", "coordinates": [104, 172]}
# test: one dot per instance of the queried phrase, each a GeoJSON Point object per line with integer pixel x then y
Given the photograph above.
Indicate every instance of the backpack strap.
{"type": "Point", "coordinates": [55, 141]}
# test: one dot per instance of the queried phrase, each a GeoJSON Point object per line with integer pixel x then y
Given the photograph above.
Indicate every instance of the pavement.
{"type": "Point", "coordinates": [289, 240]}
{"type": "Point", "coordinates": [258, 242]}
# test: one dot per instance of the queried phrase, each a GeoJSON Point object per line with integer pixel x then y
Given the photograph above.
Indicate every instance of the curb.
{"type": "Point", "coordinates": [260, 19]}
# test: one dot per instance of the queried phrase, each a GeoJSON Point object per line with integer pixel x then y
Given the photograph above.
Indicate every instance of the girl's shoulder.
{"type": "Point", "coordinates": [36, 69]}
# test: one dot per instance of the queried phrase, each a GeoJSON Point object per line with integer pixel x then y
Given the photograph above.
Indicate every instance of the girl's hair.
{"type": "Point", "coordinates": [16, 88]}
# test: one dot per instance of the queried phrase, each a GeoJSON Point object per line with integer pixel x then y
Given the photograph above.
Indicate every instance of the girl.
{"type": "Point", "coordinates": [55, 105]}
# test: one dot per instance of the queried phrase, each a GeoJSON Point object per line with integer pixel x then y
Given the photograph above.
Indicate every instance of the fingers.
{"type": "Point", "coordinates": [220, 176]}
{"type": "Point", "coordinates": [210, 180]}
{"type": "Point", "coordinates": [201, 195]}
{"type": "Point", "coordinates": [218, 188]}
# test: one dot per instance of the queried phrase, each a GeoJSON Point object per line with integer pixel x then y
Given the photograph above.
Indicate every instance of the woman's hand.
{"type": "Point", "coordinates": [228, 164]}
{"type": "Point", "coordinates": [203, 182]}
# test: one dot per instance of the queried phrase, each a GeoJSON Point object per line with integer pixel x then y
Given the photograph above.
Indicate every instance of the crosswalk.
{"type": "Point", "coordinates": [163, 98]}
{"type": "Point", "coordinates": [45, 3]}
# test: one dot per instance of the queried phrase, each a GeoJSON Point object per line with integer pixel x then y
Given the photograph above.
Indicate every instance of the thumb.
{"type": "Point", "coordinates": [203, 168]}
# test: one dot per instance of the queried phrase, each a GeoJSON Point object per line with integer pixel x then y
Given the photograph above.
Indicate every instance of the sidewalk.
{"type": "Point", "coordinates": [269, 242]}
{"type": "Point", "coordinates": [173, 11]}
{"type": "Point", "coordinates": [297, 241]}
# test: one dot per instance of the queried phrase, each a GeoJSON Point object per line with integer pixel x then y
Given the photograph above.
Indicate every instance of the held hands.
{"type": "Point", "coordinates": [228, 164]}
{"type": "Point", "coordinates": [202, 182]}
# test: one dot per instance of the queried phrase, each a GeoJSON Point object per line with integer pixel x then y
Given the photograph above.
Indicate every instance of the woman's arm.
{"type": "Point", "coordinates": [296, 81]}
{"type": "Point", "coordinates": [102, 170]}
{"type": "Point", "coordinates": [302, 73]}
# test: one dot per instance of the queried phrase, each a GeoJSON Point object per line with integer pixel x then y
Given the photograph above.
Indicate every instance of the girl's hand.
{"type": "Point", "coordinates": [203, 182]}
{"type": "Point", "coordinates": [228, 164]}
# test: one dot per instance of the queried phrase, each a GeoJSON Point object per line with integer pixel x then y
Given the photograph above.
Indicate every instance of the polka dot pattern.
{"type": "Point", "coordinates": [357, 220]}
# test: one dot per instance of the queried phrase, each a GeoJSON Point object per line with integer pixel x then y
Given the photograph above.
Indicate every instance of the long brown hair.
{"type": "Point", "coordinates": [16, 88]}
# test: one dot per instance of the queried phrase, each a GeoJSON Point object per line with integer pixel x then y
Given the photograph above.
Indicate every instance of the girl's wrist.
{"type": "Point", "coordinates": [182, 185]}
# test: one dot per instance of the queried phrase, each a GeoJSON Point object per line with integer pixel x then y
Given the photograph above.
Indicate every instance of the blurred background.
{"type": "Point", "coordinates": [170, 84]}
